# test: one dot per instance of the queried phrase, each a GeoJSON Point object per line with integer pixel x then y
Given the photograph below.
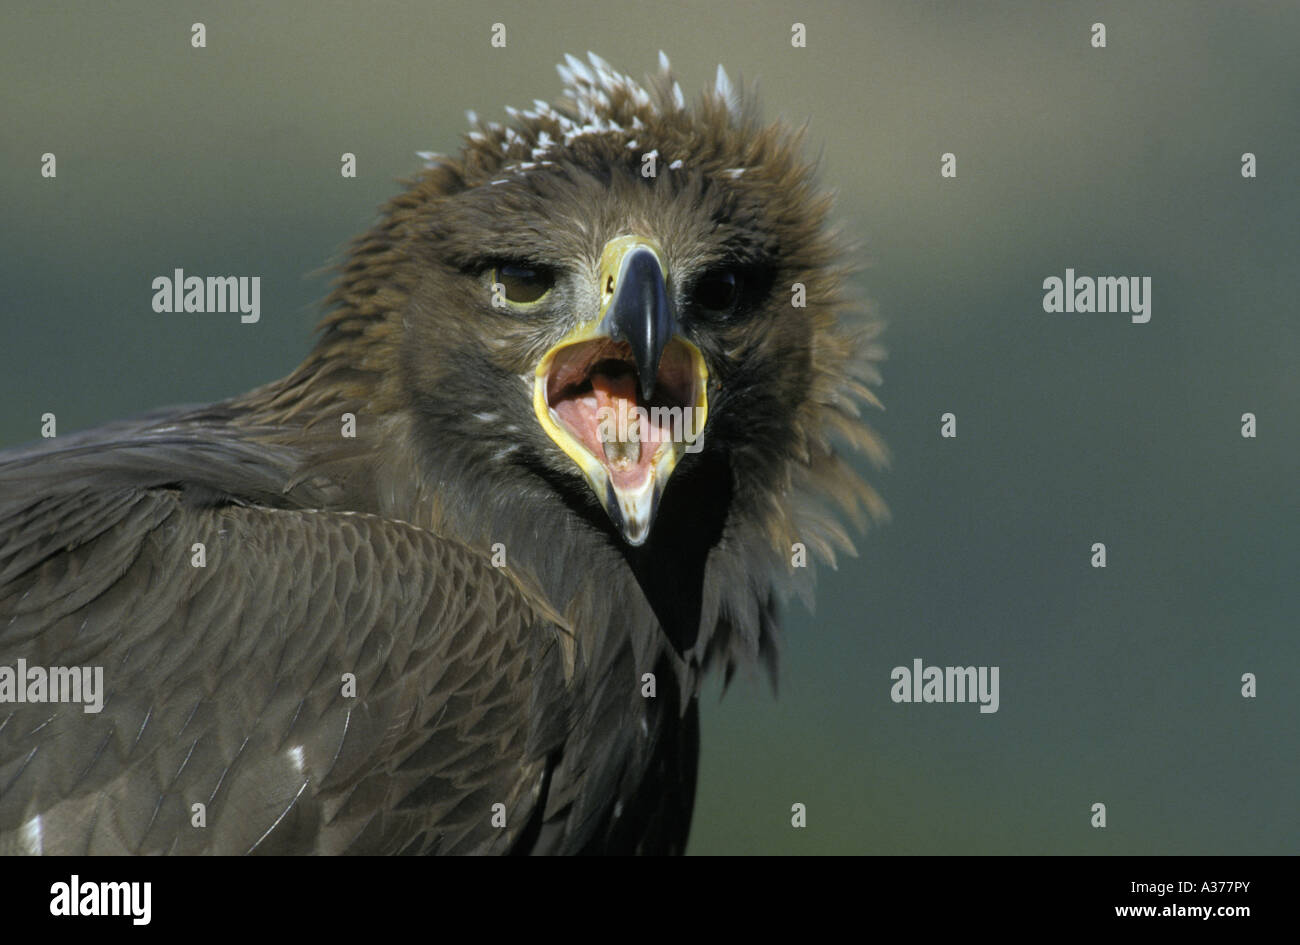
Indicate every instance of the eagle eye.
{"type": "Point", "coordinates": [523, 284]}
{"type": "Point", "coordinates": [717, 290]}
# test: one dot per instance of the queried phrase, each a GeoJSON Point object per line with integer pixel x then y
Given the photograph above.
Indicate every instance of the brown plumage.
{"type": "Point", "coordinates": [497, 585]}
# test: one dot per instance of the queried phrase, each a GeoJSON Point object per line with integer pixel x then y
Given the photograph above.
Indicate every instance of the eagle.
{"type": "Point", "coordinates": [584, 402]}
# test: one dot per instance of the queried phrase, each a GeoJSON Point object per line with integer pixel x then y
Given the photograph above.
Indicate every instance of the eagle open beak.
{"type": "Point", "coordinates": [625, 395]}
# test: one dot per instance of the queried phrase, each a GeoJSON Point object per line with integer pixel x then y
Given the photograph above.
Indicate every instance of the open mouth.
{"type": "Point", "coordinates": [595, 397]}
{"type": "Point", "coordinates": [593, 390]}
{"type": "Point", "coordinates": [590, 399]}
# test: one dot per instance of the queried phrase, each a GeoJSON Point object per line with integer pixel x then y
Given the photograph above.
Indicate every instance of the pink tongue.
{"type": "Point", "coordinates": [615, 403]}
{"type": "Point", "coordinates": [618, 394]}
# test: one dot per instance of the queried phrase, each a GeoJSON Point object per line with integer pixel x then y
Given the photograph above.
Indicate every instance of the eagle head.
{"type": "Point", "coordinates": [609, 298]}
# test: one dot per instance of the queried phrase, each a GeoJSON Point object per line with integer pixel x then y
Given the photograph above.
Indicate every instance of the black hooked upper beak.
{"type": "Point", "coordinates": [641, 314]}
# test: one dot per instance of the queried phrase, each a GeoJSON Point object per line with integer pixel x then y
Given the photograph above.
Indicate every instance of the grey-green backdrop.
{"type": "Point", "coordinates": [1119, 686]}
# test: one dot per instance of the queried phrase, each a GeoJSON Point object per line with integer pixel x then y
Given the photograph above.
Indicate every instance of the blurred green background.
{"type": "Point", "coordinates": [1118, 685]}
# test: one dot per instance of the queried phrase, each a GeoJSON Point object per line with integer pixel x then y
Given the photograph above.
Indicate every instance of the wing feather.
{"type": "Point", "coordinates": [223, 684]}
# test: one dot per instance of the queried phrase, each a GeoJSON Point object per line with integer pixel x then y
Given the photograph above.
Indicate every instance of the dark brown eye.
{"type": "Point", "coordinates": [717, 291]}
{"type": "Point", "coordinates": [523, 284]}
